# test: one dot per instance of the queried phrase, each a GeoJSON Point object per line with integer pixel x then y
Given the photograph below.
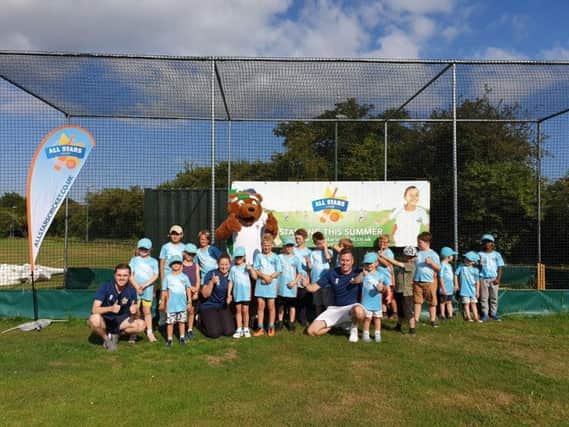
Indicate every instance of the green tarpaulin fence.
{"type": "Point", "coordinates": [58, 304]}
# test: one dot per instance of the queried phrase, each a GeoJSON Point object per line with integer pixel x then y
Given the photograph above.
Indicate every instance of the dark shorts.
{"type": "Point", "coordinates": [445, 298]}
{"type": "Point", "coordinates": [287, 301]}
{"type": "Point", "coordinates": [247, 303]}
{"type": "Point", "coordinates": [322, 297]}
{"type": "Point", "coordinates": [113, 322]}
{"type": "Point", "coordinates": [405, 306]}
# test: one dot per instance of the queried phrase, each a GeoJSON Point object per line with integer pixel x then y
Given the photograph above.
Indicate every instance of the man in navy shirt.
{"type": "Point", "coordinates": [114, 309]}
{"type": "Point", "coordinates": [345, 283]}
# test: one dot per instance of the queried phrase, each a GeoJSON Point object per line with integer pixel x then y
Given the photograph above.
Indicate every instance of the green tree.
{"type": "Point", "coordinates": [555, 228]}
{"type": "Point", "coordinates": [12, 214]}
{"type": "Point", "coordinates": [116, 213]}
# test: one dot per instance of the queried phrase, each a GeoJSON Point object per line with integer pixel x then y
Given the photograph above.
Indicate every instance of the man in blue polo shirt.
{"type": "Point", "coordinates": [345, 283]}
{"type": "Point", "coordinates": [114, 309]}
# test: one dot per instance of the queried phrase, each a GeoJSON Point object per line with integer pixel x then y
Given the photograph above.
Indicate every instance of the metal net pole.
{"type": "Point", "coordinates": [212, 150]}
{"type": "Point", "coordinates": [454, 159]}
{"type": "Point", "coordinates": [538, 174]}
{"type": "Point", "coordinates": [385, 151]}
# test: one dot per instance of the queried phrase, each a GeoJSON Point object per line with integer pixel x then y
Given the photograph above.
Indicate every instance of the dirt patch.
{"type": "Point", "coordinates": [219, 360]}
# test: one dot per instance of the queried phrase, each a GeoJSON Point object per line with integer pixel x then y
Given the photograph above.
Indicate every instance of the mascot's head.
{"type": "Point", "coordinates": [246, 205]}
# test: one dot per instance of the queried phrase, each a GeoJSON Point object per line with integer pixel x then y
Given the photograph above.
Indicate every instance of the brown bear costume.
{"type": "Point", "coordinates": [246, 223]}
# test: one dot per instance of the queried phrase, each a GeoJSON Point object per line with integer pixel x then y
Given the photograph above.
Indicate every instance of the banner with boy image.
{"type": "Point", "coordinates": [53, 169]}
{"type": "Point", "coordinates": [359, 210]}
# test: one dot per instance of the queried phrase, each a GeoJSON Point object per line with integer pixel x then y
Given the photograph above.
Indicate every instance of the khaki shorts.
{"type": "Point", "coordinates": [425, 292]}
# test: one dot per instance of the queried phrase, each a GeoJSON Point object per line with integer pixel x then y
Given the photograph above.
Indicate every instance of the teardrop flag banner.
{"type": "Point", "coordinates": [53, 169]}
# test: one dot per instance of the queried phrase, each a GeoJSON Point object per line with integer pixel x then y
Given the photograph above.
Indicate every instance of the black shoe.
{"type": "Point", "coordinates": [397, 327]}
{"type": "Point", "coordinates": [434, 324]}
{"type": "Point", "coordinates": [278, 325]}
{"type": "Point", "coordinates": [412, 331]}
{"type": "Point", "coordinates": [291, 327]}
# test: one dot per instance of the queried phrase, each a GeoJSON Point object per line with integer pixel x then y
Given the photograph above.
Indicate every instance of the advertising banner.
{"type": "Point", "coordinates": [359, 210]}
{"type": "Point", "coordinates": [53, 169]}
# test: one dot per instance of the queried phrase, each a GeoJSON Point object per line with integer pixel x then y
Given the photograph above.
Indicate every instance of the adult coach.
{"type": "Point", "coordinates": [215, 316]}
{"type": "Point", "coordinates": [345, 283]}
{"type": "Point", "coordinates": [114, 307]}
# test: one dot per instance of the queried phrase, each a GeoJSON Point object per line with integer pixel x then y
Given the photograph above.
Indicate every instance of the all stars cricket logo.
{"type": "Point", "coordinates": [331, 207]}
{"type": "Point", "coordinates": [67, 153]}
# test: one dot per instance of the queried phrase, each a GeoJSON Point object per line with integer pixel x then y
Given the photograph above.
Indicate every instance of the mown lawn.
{"type": "Point", "coordinates": [509, 373]}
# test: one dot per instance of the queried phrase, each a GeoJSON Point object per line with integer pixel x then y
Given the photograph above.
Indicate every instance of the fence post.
{"type": "Point", "coordinates": [454, 159]}
{"type": "Point", "coordinates": [538, 174]}
{"type": "Point", "coordinates": [385, 150]}
{"type": "Point", "coordinates": [213, 149]}
{"type": "Point", "coordinates": [228, 157]}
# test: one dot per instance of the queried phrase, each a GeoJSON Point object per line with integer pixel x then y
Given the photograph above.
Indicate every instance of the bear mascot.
{"type": "Point", "coordinates": [246, 223]}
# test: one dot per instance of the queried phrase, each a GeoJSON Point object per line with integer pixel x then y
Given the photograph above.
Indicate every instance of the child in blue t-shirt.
{"type": "Point", "coordinates": [469, 282]}
{"type": "Point", "coordinates": [448, 283]}
{"type": "Point", "coordinates": [144, 272]}
{"type": "Point", "coordinates": [303, 298]}
{"type": "Point", "coordinates": [178, 300]}
{"type": "Point", "coordinates": [288, 283]}
{"type": "Point", "coordinates": [492, 265]}
{"type": "Point", "coordinates": [239, 289]}
{"type": "Point", "coordinates": [372, 289]}
{"type": "Point", "coordinates": [427, 266]}
{"type": "Point", "coordinates": [207, 255]}
{"type": "Point", "coordinates": [172, 248]}
{"type": "Point", "coordinates": [384, 254]}
{"type": "Point", "coordinates": [266, 269]}
{"type": "Point", "coordinates": [320, 259]}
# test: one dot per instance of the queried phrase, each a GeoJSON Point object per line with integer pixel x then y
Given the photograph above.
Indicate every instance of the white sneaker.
{"type": "Point", "coordinates": [246, 333]}
{"type": "Point", "coordinates": [353, 335]}
{"type": "Point", "coordinates": [365, 337]}
{"type": "Point", "coordinates": [377, 337]}
{"type": "Point", "coordinates": [238, 333]}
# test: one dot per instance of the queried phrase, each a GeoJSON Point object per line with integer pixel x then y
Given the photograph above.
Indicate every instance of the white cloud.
{"type": "Point", "coordinates": [222, 27]}
{"type": "Point", "coordinates": [556, 53]}
{"type": "Point", "coordinates": [497, 53]}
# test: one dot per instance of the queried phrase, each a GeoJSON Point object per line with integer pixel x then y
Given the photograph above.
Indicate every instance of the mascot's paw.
{"type": "Point", "coordinates": [272, 225]}
{"type": "Point", "coordinates": [232, 224]}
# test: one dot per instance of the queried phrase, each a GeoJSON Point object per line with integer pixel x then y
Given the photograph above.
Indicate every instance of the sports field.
{"type": "Point", "coordinates": [509, 373]}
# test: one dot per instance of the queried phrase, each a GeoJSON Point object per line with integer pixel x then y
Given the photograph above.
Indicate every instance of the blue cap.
{"type": "Point", "coordinates": [144, 244]}
{"type": "Point", "coordinates": [488, 237]}
{"type": "Point", "coordinates": [191, 248]}
{"type": "Point", "coordinates": [289, 241]}
{"type": "Point", "coordinates": [370, 258]}
{"type": "Point", "coordinates": [472, 256]}
{"type": "Point", "coordinates": [446, 252]}
{"type": "Point", "coordinates": [174, 259]}
{"type": "Point", "coordinates": [239, 251]}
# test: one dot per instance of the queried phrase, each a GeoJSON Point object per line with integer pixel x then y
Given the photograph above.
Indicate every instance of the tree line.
{"type": "Point", "coordinates": [497, 178]}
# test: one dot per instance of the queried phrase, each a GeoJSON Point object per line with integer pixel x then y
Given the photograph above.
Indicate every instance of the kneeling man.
{"type": "Point", "coordinates": [115, 308]}
{"type": "Point", "coordinates": [345, 283]}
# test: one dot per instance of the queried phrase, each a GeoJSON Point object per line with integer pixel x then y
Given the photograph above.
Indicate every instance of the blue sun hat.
{"type": "Point", "coordinates": [446, 252]}
{"type": "Point", "coordinates": [370, 258]}
{"type": "Point", "coordinates": [488, 237]}
{"type": "Point", "coordinates": [238, 251]}
{"type": "Point", "coordinates": [288, 241]}
{"type": "Point", "coordinates": [472, 256]}
{"type": "Point", "coordinates": [144, 244]}
{"type": "Point", "coordinates": [175, 259]}
{"type": "Point", "coordinates": [191, 248]}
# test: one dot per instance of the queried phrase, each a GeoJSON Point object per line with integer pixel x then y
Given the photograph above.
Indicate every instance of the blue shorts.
{"type": "Point", "coordinates": [113, 321]}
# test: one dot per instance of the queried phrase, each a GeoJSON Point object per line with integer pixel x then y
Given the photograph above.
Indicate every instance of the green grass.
{"type": "Point", "coordinates": [509, 373]}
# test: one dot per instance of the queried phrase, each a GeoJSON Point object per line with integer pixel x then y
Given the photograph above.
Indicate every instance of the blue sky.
{"type": "Point", "coordinates": [386, 28]}
{"type": "Point", "coordinates": [437, 29]}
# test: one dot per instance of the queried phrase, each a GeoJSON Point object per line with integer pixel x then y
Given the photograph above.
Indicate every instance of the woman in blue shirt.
{"type": "Point", "coordinates": [216, 317]}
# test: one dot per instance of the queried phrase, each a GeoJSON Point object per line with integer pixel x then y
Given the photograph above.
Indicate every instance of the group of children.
{"type": "Point", "coordinates": [275, 284]}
